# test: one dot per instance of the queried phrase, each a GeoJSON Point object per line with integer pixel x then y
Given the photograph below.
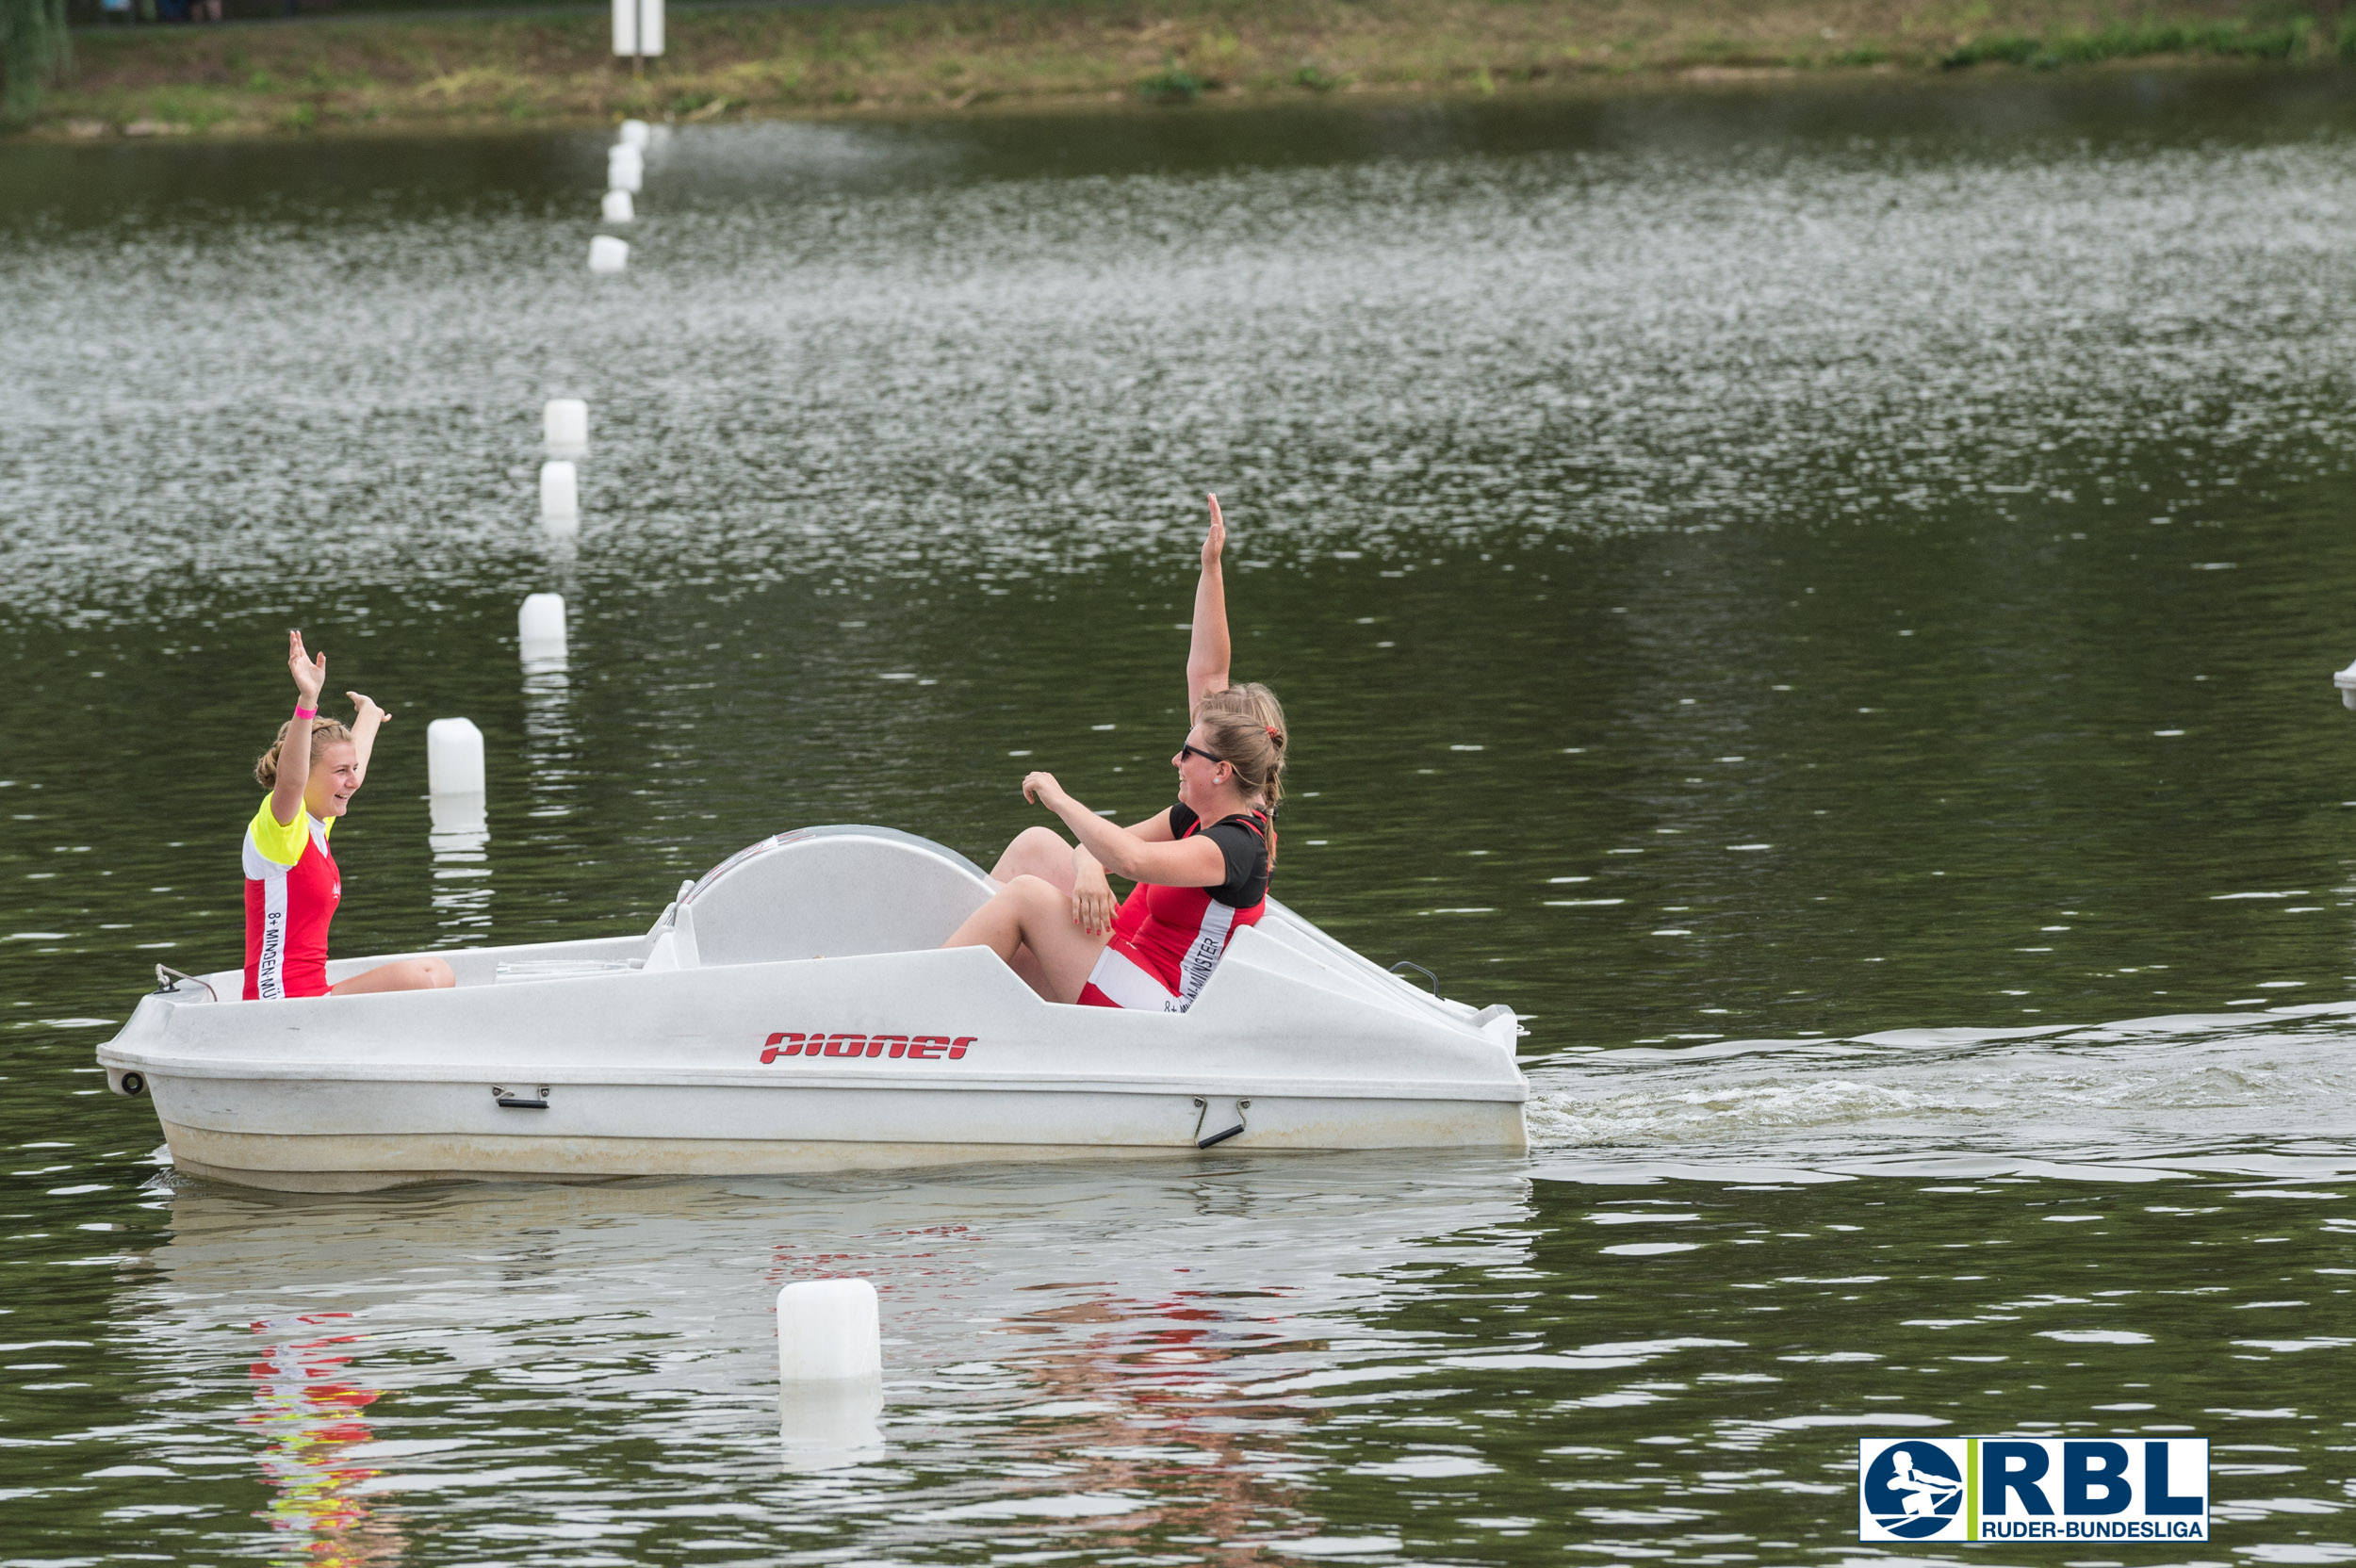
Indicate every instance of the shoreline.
{"type": "Point", "coordinates": [423, 73]}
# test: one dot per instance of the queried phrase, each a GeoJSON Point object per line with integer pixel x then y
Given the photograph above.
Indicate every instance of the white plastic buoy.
{"type": "Point", "coordinates": [2346, 681]}
{"type": "Point", "coordinates": [453, 758]}
{"type": "Point", "coordinates": [625, 168]}
{"type": "Point", "coordinates": [540, 632]}
{"type": "Point", "coordinates": [829, 1331]}
{"type": "Point", "coordinates": [608, 254]}
{"type": "Point", "coordinates": [560, 493]}
{"type": "Point", "coordinates": [619, 208]}
{"type": "Point", "coordinates": [565, 422]}
{"type": "Point", "coordinates": [634, 133]}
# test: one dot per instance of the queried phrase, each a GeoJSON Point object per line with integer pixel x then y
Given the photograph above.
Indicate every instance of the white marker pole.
{"type": "Point", "coordinates": [829, 1331]}
{"type": "Point", "coordinates": [830, 1363]}
{"type": "Point", "coordinates": [560, 493]}
{"type": "Point", "coordinates": [454, 776]}
{"type": "Point", "coordinates": [565, 423]}
{"type": "Point", "coordinates": [540, 632]}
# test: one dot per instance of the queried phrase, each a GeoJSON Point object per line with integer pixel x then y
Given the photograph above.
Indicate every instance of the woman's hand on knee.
{"type": "Point", "coordinates": [1092, 904]}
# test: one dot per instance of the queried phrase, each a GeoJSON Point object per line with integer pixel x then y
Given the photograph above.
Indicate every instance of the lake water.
{"type": "Point", "coordinates": [1822, 598]}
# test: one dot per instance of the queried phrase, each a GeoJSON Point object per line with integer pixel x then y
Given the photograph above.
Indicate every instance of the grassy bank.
{"type": "Point", "coordinates": [410, 72]}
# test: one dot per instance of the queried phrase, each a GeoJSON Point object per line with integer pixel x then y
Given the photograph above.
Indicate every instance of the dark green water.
{"type": "Point", "coordinates": [1788, 590]}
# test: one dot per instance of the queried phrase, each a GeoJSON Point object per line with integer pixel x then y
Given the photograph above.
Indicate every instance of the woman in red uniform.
{"type": "Point", "coordinates": [1201, 867]}
{"type": "Point", "coordinates": [291, 884]}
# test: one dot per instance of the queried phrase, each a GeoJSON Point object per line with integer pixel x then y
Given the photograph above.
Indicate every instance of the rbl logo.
{"type": "Point", "coordinates": [2033, 1489]}
{"type": "Point", "coordinates": [911, 1048]}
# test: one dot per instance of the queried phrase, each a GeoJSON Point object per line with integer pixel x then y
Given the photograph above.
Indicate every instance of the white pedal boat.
{"type": "Point", "coordinates": [792, 1011]}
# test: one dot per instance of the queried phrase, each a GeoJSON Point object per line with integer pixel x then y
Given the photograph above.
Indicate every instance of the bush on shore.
{"type": "Point", "coordinates": [2122, 41]}
{"type": "Point", "coordinates": [34, 46]}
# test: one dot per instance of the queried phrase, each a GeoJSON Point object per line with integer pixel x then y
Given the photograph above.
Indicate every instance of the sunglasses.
{"type": "Point", "coordinates": [1193, 750]}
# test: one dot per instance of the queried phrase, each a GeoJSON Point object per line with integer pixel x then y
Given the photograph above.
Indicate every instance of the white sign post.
{"type": "Point", "coordinates": [638, 30]}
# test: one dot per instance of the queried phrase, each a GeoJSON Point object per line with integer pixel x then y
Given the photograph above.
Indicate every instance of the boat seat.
{"type": "Point", "coordinates": [836, 891]}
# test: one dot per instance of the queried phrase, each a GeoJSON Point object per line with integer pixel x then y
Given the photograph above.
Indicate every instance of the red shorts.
{"type": "Point", "coordinates": [1120, 981]}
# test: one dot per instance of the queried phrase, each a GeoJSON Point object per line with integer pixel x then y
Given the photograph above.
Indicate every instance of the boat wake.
{"type": "Point", "coordinates": [2260, 1093]}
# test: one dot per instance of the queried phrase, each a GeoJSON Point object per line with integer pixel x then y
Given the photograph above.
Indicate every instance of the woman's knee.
{"type": "Point", "coordinates": [1028, 891]}
{"type": "Point", "coordinates": [1034, 851]}
{"type": "Point", "coordinates": [435, 974]}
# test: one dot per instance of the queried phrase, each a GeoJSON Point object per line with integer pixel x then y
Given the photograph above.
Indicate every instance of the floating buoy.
{"type": "Point", "coordinates": [540, 632]}
{"type": "Point", "coordinates": [608, 254]}
{"type": "Point", "coordinates": [565, 423]}
{"type": "Point", "coordinates": [625, 168]}
{"type": "Point", "coordinates": [453, 758]}
{"type": "Point", "coordinates": [560, 492]}
{"type": "Point", "coordinates": [634, 133]}
{"type": "Point", "coordinates": [829, 1331]}
{"type": "Point", "coordinates": [619, 208]}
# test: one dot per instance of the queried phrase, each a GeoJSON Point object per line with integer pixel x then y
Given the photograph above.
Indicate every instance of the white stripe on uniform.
{"type": "Point", "coordinates": [1127, 985]}
{"type": "Point", "coordinates": [269, 969]}
{"type": "Point", "coordinates": [1202, 957]}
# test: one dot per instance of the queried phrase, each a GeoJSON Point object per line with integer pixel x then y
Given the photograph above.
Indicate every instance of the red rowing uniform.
{"type": "Point", "coordinates": [291, 890]}
{"type": "Point", "coordinates": [1166, 941]}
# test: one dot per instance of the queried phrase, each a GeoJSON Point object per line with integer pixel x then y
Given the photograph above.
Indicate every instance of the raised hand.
{"type": "Point", "coordinates": [1215, 539]}
{"type": "Point", "coordinates": [363, 706]}
{"type": "Point", "coordinates": [1041, 789]}
{"type": "Point", "coordinates": [310, 674]}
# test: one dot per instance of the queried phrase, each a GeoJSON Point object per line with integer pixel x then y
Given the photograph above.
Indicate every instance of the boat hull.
{"type": "Point", "coordinates": [901, 1129]}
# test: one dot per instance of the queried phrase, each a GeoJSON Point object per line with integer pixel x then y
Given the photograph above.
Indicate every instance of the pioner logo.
{"type": "Point", "coordinates": [896, 1048]}
{"type": "Point", "coordinates": [2031, 1488]}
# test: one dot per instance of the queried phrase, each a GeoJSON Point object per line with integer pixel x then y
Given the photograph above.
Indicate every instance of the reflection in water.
{"type": "Point", "coordinates": [462, 869]}
{"type": "Point", "coordinates": [1063, 1350]}
{"type": "Point", "coordinates": [311, 1412]}
{"type": "Point", "coordinates": [551, 739]}
{"type": "Point", "coordinates": [832, 1425]}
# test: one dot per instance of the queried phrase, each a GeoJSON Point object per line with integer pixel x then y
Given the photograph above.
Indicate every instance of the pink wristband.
{"type": "Point", "coordinates": [306, 712]}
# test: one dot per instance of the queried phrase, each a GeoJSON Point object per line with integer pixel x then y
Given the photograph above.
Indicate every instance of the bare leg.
{"type": "Point", "coordinates": [405, 974]}
{"type": "Point", "coordinates": [1033, 914]}
{"type": "Point", "coordinates": [1039, 852]}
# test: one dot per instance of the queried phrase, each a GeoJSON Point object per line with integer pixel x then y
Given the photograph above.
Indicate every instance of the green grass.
{"type": "Point", "coordinates": [2122, 41]}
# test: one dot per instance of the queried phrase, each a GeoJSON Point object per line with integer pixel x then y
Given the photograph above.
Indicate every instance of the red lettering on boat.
{"type": "Point", "coordinates": [812, 1045]}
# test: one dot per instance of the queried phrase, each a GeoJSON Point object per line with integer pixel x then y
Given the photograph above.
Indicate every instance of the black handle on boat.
{"type": "Point", "coordinates": [1410, 963]}
{"type": "Point", "coordinates": [519, 1100]}
{"type": "Point", "coordinates": [1202, 1108]}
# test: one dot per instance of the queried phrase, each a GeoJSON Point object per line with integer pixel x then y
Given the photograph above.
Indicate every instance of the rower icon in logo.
{"type": "Point", "coordinates": [1912, 1490]}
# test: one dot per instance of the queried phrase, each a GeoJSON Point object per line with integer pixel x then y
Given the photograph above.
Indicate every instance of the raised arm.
{"type": "Point", "coordinates": [368, 718]}
{"type": "Point", "coordinates": [294, 758]}
{"type": "Point", "coordinates": [1208, 653]}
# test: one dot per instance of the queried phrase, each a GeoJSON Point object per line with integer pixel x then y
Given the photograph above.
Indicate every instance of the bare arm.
{"type": "Point", "coordinates": [1092, 902]}
{"type": "Point", "coordinates": [368, 718]}
{"type": "Point", "coordinates": [294, 758]}
{"type": "Point", "coordinates": [1195, 862]}
{"type": "Point", "coordinates": [1208, 654]}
